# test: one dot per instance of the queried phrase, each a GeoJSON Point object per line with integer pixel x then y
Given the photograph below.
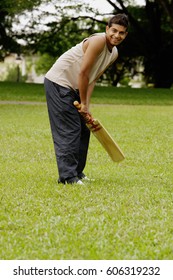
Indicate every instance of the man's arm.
{"type": "Point", "coordinates": [89, 92]}
{"type": "Point", "coordinates": [92, 49]}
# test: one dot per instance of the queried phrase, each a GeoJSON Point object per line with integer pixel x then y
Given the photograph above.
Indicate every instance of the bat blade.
{"type": "Point", "coordinates": [108, 143]}
{"type": "Point", "coordinates": [103, 137]}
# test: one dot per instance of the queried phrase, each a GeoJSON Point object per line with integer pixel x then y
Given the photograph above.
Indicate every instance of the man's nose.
{"type": "Point", "coordinates": [117, 34]}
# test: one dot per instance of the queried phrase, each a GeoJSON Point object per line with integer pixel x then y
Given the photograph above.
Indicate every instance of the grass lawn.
{"type": "Point", "coordinates": [101, 95]}
{"type": "Point", "coordinates": [126, 213]}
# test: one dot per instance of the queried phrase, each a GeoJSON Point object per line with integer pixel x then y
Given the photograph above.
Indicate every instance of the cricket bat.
{"type": "Point", "coordinates": [103, 136]}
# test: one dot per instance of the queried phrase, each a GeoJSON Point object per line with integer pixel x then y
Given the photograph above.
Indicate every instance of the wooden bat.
{"type": "Point", "coordinates": [103, 136]}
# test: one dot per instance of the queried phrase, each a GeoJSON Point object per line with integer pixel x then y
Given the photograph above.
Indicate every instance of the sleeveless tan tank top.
{"type": "Point", "coordinates": [66, 69]}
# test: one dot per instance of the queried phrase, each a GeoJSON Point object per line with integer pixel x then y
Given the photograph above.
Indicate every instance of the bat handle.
{"type": "Point", "coordinates": [77, 105]}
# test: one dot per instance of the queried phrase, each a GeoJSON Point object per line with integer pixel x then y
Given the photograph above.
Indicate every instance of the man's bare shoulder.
{"type": "Point", "coordinates": [96, 41]}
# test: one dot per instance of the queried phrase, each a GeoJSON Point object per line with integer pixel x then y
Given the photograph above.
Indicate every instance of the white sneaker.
{"type": "Point", "coordinates": [79, 182]}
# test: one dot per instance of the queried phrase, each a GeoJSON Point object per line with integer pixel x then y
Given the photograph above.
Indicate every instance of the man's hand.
{"type": "Point", "coordinates": [83, 110]}
{"type": "Point", "coordinates": [92, 124]}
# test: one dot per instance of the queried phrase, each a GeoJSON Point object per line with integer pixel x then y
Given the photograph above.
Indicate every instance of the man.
{"type": "Point", "coordinates": [71, 78]}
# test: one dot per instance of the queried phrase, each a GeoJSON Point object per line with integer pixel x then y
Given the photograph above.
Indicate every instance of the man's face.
{"type": "Point", "coordinates": [115, 34]}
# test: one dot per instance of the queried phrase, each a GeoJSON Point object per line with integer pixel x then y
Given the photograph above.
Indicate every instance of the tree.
{"type": "Point", "coordinates": [159, 58]}
{"type": "Point", "coordinates": [8, 10]}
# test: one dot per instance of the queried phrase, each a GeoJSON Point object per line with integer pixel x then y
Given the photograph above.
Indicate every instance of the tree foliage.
{"type": "Point", "coordinates": [8, 10]}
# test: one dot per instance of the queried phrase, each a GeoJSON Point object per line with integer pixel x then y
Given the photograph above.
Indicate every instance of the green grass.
{"type": "Point", "coordinates": [109, 95]}
{"type": "Point", "coordinates": [131, 96]}
{"type": "Point", "coordinates": [21, 91]}
{"type": "Point", "coordinates": [126, 213]}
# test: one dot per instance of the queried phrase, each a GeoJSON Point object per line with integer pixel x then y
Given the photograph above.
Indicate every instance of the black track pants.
{"type": "Point", "coordinates": [69, 132]}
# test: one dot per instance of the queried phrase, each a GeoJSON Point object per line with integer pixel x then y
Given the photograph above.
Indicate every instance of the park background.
{"type": "Point", "coordinates": [126, 213]}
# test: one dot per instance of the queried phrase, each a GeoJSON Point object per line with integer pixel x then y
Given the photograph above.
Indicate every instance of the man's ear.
{"type": "Point", "coordinates": [107, 28]}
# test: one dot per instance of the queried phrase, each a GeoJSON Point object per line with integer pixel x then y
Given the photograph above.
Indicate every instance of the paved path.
{"type": "Point", "coordinates": [22, 102]}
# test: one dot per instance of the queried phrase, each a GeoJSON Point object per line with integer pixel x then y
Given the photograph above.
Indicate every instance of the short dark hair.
{"type": "Point", "coordinates": [121, 19]}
